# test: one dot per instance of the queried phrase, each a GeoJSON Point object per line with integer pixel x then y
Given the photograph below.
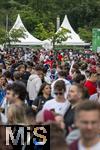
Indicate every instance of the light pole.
{"type": "Point", "coordinates": [58, 22]}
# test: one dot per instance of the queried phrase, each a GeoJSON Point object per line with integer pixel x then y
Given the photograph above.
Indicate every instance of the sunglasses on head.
{"type": "Point", "coordinates": [58, 93]}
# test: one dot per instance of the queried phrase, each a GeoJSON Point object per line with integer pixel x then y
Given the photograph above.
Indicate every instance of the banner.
{"type": "Point", "coordinates": [95, 39]}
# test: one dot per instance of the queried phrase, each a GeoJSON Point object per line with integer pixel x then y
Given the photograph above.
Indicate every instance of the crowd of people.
{"type": "Point", "coordinates": [58, 88]}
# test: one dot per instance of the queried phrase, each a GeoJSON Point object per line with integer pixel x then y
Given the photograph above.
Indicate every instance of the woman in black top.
{"type": "Point", "coordinates": [43, 96]}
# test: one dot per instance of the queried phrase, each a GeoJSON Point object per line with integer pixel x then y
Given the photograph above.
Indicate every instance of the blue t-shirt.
{"type": "Point", "coordinates": [2, 95]}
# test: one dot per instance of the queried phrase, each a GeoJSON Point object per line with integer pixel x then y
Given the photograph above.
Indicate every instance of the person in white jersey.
{"type": "Point", "coordinates": [59, 104]}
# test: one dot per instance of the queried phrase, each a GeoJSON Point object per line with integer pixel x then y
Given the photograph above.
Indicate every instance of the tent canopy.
{"type": "Point", "coordinates": [74, 38]}
{"type": "Point", "coordinates": [29, 39]}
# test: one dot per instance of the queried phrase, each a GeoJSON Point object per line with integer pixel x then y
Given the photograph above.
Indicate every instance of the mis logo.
{"type": "Point", "coordinates": [28, 136]}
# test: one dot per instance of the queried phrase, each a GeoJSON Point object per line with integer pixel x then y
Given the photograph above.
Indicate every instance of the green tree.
{"type": "Point", "coordinates": [80, 13]}
{"type": "Point", "coordinates": [42, 32]}
{"type": "Point", "coordinates": [2, 36]}
{"type": "Point", "coordinates": [13, 36]}
{"type": "Point", "coordinates": [85, 34]}
{"type": "Point", "coordinates": [60, 37]}
{"type": "Point", "coordinates": [4, 3]}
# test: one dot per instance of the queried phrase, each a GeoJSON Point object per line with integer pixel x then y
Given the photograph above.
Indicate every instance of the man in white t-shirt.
{"type": "Point", "coordinates": [59, 104]}
{"type": "Point", "coordinates": [87, 119]}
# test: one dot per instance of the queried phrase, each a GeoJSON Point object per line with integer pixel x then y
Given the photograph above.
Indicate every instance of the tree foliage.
{"type": "Point", "coordinates": [13, 36]}
{"type": "Point", "coordinates": [16, 34]}
{"type": "Point", "coordinates": [80, 13]}
{"type": "Point", "coordinates": [85, 34]}
{"type": "Point", "coordinates": [60, 36]}
{"type": "Point", "coordinates": [43, 33]}
{"type": "Point", "coordinates": [2, 36]}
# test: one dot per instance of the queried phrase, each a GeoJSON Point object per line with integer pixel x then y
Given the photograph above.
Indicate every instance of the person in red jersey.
{"type": "Point", "coordinates": [90, 84]}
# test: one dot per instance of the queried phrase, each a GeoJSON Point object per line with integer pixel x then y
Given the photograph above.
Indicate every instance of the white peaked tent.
{"type": "Point", "coordinates": [29, 39]}
{"type": "Point", "coordinates": [74, 38]}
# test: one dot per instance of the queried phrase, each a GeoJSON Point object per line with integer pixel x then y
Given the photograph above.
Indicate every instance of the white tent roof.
{"type": "Point", "coordinates": [47, 44]}
{"type": "Point", "coordinates": [29, 39]}
{"type": "Point", "coordinates": [74, 37]}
